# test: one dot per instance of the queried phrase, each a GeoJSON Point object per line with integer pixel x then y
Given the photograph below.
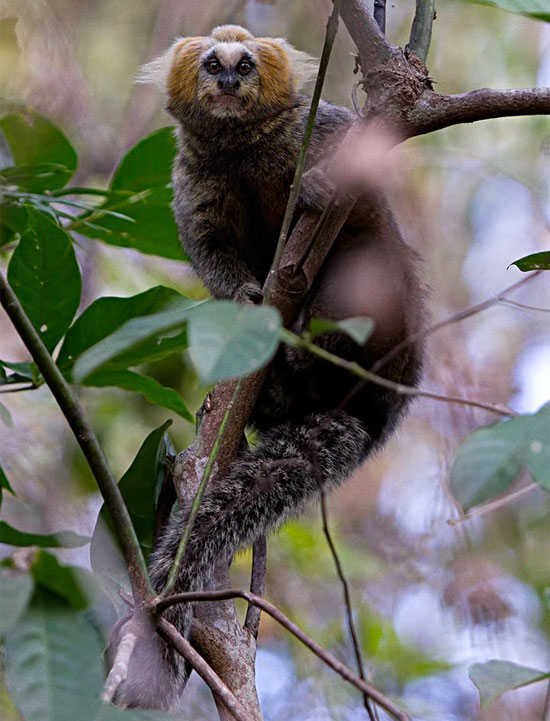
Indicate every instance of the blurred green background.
{"type": "Point", "coordinates": [430, 597]}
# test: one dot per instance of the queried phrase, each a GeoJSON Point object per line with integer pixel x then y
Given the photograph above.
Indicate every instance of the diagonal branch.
{"type": "Point", "coordinates": [86, 439]}
{"type": "Point", "coordinates": [296, 631]}
{"type": "Point", "coordinates": [369, 39]}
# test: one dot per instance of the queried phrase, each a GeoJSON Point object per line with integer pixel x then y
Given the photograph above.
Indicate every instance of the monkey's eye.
{"type": "Point", "coordinates": [244, 67]}
{"type": "Point", "coordinates": [213, 66]}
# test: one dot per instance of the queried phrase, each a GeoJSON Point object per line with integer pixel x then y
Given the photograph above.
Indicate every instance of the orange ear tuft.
{"type": "Point", "coordinates": [184, 70]}
{"type": "Point", "coordinates": [275, 73]}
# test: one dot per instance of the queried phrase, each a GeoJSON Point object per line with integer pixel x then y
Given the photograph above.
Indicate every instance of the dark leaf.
{"type": "Point", "coordinates": [63, 539]}
{"type": "Point", "coordinates": [45, 157]}
{"type": "Point", "coordinates": [149, 388]}
{"type": "Point", "coordinates": [105, 315]}
{"type": "Point", "coordinates": [44, 274]}
{"type": "Point", "coordinates": [73, 584]}
{"type": "Point", "coordinates": [535, 261]}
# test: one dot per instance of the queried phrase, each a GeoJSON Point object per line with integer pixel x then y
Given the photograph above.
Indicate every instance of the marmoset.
{"type": "Point", "coordinates": [241, 122]}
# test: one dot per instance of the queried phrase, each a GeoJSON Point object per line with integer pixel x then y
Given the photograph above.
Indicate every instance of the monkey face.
{"type": "Point", "coordinates": [228, 83]}
{"type": "Point", "coordinates": [228, 74]}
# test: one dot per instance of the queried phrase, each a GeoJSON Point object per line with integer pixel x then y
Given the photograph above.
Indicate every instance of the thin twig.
{"type": "Point", "coordinates": [257, 584]}
{"type": "Point", "coordinates": [223, 692]}
{"type": "Point", "coordinates": [316, 648]}
{"type": "Point", "coordinates": [455, 318]}
{"type": "Point", "coordinates": [493, 505]}
{"type": "Point", "coordinates": [399, 388]}
{"type": "Point", "coordinates": [178, 558]}
{"type": "Point", "coordinates": [421, 31]}
{"type": "Point", "coordinates": [347, 600]}
{"type": "Point", "coordinates": [332, 27]}
{"type": "Point", "coordinates": [87, 440]}
{"type": "Point", "coordinates": [523, 306]}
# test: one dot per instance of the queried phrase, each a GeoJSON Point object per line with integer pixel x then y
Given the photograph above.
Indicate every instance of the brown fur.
{"type": "Point", "coordinates": [182, 80]}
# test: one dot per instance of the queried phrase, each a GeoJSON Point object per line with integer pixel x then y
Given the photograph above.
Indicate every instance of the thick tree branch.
{"type": "Point", "coordinates": [434, 112]}
{"type": "Point", "coordinates": [369, 39]}
{"type": "Point", "coordinates": [290, 626]}
{"type": "Point", "coordinates": [86, 439]}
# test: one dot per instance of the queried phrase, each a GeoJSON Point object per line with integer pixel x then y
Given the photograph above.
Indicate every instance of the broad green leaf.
{"type": "Point", "coordinates": [145, 171]}
{"type": "Point", "coordinates": [71, 583]}
{"type": "Point", "coordinates": [15, 591]}
{"type": "Point", "coordinates": [358, 328]}
{"type": "Point", "coordinates": [139, 487]}
{"type": "Point", "coordinates": [149, 388]}
{"type": "Point", "coordinates": [535, 261]}
{"type": "Point", "coordinates": [105, 315]}
{"type": "Point", "coordinates": [127, 341]}
{"type": "Point", "coordinates": [495, 677]}
{"type": "Point", "coordinates": [533, 8]}
{"type": "Point", "coordinates": [228, 340]}
{"type": "Point", "coordinates": [44, 274]}
{"type": "Point", "coordinates": [54, 670]}
{"type": "Point", "coordinates": [5, 418]}
{"type": "Point", "coordinates": [44, 157]}
{"type": "Point", "coordinates": [491, 459]}
{"type": "Point", "coordinates": [63, 539]}
{"type": "Point", "coordinates": [23, 371]}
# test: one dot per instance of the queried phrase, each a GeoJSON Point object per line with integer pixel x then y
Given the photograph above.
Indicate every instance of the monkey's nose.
{"type": "Point", "coordinates": [229, 82]}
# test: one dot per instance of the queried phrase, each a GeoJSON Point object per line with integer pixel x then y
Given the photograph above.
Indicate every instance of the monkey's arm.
{"type": "Point", "coordinates": [205, 225]}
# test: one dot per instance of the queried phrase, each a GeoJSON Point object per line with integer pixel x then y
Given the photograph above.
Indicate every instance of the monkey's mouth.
{"type": "Point", "coordinates": [227, 100]}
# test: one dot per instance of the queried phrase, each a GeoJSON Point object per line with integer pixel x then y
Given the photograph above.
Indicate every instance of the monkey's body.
{"type": "Point", "coordinates": [231, 182]}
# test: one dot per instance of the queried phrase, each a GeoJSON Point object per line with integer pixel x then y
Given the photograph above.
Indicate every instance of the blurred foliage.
{"type": "Point", "coordinates": [429, 598]}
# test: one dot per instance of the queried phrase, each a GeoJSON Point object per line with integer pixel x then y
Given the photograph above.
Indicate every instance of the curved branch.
{"type": "Point", "coordinates": [372, 46]}
{"type": "Point", "coordinates": [434, 112]}
{"type": "Point", "coordinates": [290, 626]}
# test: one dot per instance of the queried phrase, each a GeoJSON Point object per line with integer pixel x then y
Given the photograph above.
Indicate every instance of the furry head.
{"type": "Point", "coordinates": [229, 73]}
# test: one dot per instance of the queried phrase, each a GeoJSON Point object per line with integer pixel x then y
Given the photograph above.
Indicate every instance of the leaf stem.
{"type": "Point", "coordinates": [85, 437]}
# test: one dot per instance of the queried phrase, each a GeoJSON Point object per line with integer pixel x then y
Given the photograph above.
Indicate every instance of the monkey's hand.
{"type": "Point", "coordinates": [316, 189]}
{"type": "Point", "coordinates": [250, 292]}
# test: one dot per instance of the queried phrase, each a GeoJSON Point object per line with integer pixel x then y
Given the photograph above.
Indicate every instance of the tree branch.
{"type": "Point", "coordinates": [421, 31]}
{"type": "Point", "coordinates": [310, 643]}
{"type": "Point", "coordinates": [369, 39]}
{"type": "Point", "coordinates": [87, 440]}
{"type": "Point", "coordinates": [399, 388]}
{"type": "Point", "coordinates": [434, 112]}
{"type": "Point", "coordinates": [379, 14]}
{"type": "Point", "coordinates": [220, 689]}
{"type": "Point", "coordinates": [257, 584]}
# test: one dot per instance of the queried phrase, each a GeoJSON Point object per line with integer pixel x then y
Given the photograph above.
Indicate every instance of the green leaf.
{"type": "Point", "coordinates": [5, 418]}
{"type": "Point", "coordinates": [44, 274]}
{"type": "Point", "coordinates": [139, 487]}
{"type": "Point", "coordinates": [149, 388]}
{"type": "Point", "coordinates": [73, 584]}
{"type": "Point", "coordinates": [15, 591]}
{"type": "Point", "coordinates": [533, 8]}
{"type": "Point", "coordinates": [53, 661]}
{"type": "Point", "coordinates": [125, 346]}
{"type": "Point", "coordinates": [44, 157]}
{"type": "Point", "coordinates": [535, 261]}
{"type": "Point", "coordinates": [495, 677]}
{"type": "Point", "coordinates": [228, 340]}
{"type": "Point", "coordinates": [105, 315]}
{"type": "Point", "coordinates": [145, 171]}
{"type": "Point", "coordinates": [491, 459]}
{"type": "Point", "coordinates": [63, 539]}
{"type": "Point", "coordinates": [358, 328]}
